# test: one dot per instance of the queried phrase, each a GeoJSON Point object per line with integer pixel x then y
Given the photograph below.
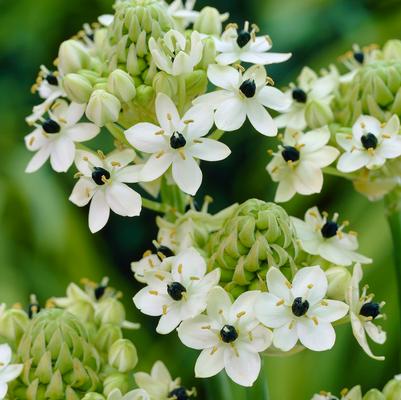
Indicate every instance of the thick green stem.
{"type": "Point", "coordinates": [217, 134]}
{"type": "Point", "coordinates": [335, 172]}
{"type": "Point", "coordinates": [154, 206]}
{"type": "Point", "coordinates": [182, 94]}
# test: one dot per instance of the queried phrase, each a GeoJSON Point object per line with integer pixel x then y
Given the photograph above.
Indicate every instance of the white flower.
{"type": "Point", "coordinates": [229, 336]}
{"type": "Point", "coordinates": [174, 55]}
{"type": "Point", "coordinates": [299, 311]}
{"type": "Point", "coordinates": [243, 95]}
{"type": "Point", "coordinates": [137, 394]}
{"type": "Point", "coordinates": [297, 167]}
{"type": "Point", "coordinates": [370, 144]}
{"type": "Point", "coordinates": [177, 142]}
{"type": "Point", "coordinates": [179, 295]}
{"type": "Point", "coordinates": [8, 372]}
{"type": "Point", "coordinates": [238, 45]}
{"type": "Point", "coordinates": [103, 182]}
{"type": "Point", "coordinates": [183, 12]}
{"type": "Point", "coordinates": [325, 237]}
{"type": "Point", "coordinates": [56, 137]}
{"type": "Point", "coordinates": [148, 263]}
{"type": "Point", "coordinates": [310, 88]}
{"type": "Point", "coordinates": [363, 311]}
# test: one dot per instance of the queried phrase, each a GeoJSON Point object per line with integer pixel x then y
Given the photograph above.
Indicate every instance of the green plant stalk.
{"type": "Point", "coordinates": [182, 94]}
{"type": "Point", "coordinates": [335, 172]}
{"type": "Point", "coordinates": [117, 133]}
{"type": "Point", "coordinates": [154, 206]}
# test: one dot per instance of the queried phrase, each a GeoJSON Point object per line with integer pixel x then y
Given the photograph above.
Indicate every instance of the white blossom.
{"type": "Point", "coordinates": [8, 372]}
{"type": "Point", "coordinates": [297, 166]}
{"type": "Point", "coordinates": [56, 137]}
{"type": "Point", "coordinates": [370, 144]}
{"type": "Point", "coordinates": [136, 394]}
{"type": "Point", "coordinates": [183, 12]}
{"type": "Point", "coordinates": [103, 183]}
{"type": "Point", "coordinates": [148, 263]}
{"type": "Point", "coordinates": [229, 336]}
{"type": "Point", "coordinates": [325, 237]}
{"type": "Point", "coordinates": [243, 96]}
{"type": "Point", "coordinates": [299, 311]}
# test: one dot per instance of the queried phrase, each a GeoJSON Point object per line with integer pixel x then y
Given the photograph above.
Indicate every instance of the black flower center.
{"type": "Point", "coordinates": [177, 140]}
{"type": "Point", "coordinates": [244, 37]}
{"type": "Point", "coordinates": [329, 229]}
{"type": "Point", "coordinates": [33, 309]}
{"type": "Point", "coordinates": [359, 56]}
{"type": "Point", "coordinates": [299, 307]}
{"type": "Point", "coordinates": [51, 79]}
{"type": "Point", "coordinates": [179, 394]}
{"type": "Point", "coordinates": [369, 141]}
{"type": "Point", "coordinates": [248, 88]}
{"type": "Point", "coordinates": [370, 309]}
{"type": "Point", "coordinates": [165, 251]}
{"type": "Point", "coordinates": [299, 95]}
{"type": "Point", "coordinates": [290, 154]}
{"type": "Point", "coordinates": [51, 126]}
{"type": "Point", "coordinates": [228, 334]}
{"type": "Point", "coordinates": [99, 291]}
{"type": "Point", "coordinates": [176, 290]}
{"type": "Point", "coordinates": [99, 175]}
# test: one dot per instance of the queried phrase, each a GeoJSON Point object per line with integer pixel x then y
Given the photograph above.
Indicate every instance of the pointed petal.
{"type": "Point", "coordinates": [209, 150]}
{"type": "Point", "coordinates": [271, 312]}
{"type": "Point", "coordinates": [224, 77]}
{"type": "Point", "coordinates": [123, 200]}
{"type": "Point", "coordinates": [99, 212]}
{"type": "Point", "coordinates": [168, 322]}
{"type": "Point", "coordinates": [120, 157]}
{"type": "Point", "coordinates": [82, 132]}
{"type": "Point", "coordinates": [210, 362]}
{"type": "Point", "coordinates": [265, 58]}
{"type": "Point", "coordinates": [329, 310]}
{"type": "Point", "coordinates": [261, 119]}
{"type": "Point", "coordinates": [285, 337]}
{"type": "Point", "coordinates": [230, 115]}
{"type": "Point", "coordinates": [187, 174]}
{"type": "Point", "coordinates": [193, 333]}
{"type": "Point", "coordinates": [350, 162]}
{"type": "Point", "coordinates": [130, 174]}
{"type": "Point", "coordinates": [316, 337]}
{"type": "Point", "coordinates": [228, 58]}
{"type": "Point", "coordinates": [38, 159]}
{"type": "Point", "coordinates": [83, 192]}
{"type": "Point", "coordinates": [202, 120]}
{"type": "Point", "coordinates": [167, 113]}
{"type": "Point", "coordinates": [310, 283]}
{"type": "Point", "coordinates": [156, 166]}
{"type": "Point", "coordinates": [218, 305]}
{"type": "Point", "coordinates": [273, 98]}
{"type": "Point", "coordinates": [62, 154]}
{"type": "Point", "coordinates": [187, 265]}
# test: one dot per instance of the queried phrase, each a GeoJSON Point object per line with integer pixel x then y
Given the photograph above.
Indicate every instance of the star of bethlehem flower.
{"type": "Point", "coordinates": [229, 336]}
{"type": "Point", "coordinates": [309, 88]}
{"type": "Point", "coordinates": [183, 12]}
{"type": "Point", "coordinates": [236, 45]}
{"type": "Point", "coordinates": [150, 262]}
{"type": "Point", "coordinates": [160, 386]}
{"type": "Point", "coordinates": [56, 137]}
{"type": "Point", "coordinates": [8, 372]}
{"type": "Point", "coordinates": [242, 96]}
{"type": "Point", "coordinates": [297, 166]}
{"type": "Point", "coordinates": [299, 311]}
{"type": "Point", "coordinates": [177, 295]}
{"type": "Point", "coordinates": [321, 236]}
{"type": "Point", "coordinates": [177, 142]}
{"type": "Point", "coordinates": [136, 394]}
{"type": "Point", "coordinates": [363, 311]}
{"type": "Point", "coordinates": [175, 54]}
{"type": "Point", "coordinates": [370, 144]}
{"type": "Point", "coordinates": [102, 181]}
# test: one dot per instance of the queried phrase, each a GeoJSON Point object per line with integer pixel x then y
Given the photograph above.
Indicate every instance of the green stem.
{"type": "Point", "coordinates": [260, 389]}
{"type": "Point", "coordinates": [117, 133]}
{"type": "Point", "coordinates": [335, 172]}
{"type": "Point", "coordinates": [182, 94]}
{"type": "Point", "coordinates": [216, 135]}
{"type": "Point", "coordinates": [154, 206]}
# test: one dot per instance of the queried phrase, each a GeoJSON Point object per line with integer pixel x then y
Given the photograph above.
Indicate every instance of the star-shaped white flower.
{"type": "Point", "coordinates": [324, 237]}
{"type": "Point", "coordinates": [297, 166]}
{"type": "Point", "coordinates": [8, 372]}
{"type": "Point", "coordinates": [56, 137]}
{"type": "Point", "coordinates": [179, 295]}
{"type": "Point", "coordinates": [370, 144]}
{"type": "Point", "coordinates": [103, 183]}
{"type": "Point", "coordinates": [243, 96]}
{"type": "Point", "coordinates": [363, 311]}
{"type": "Point", "coordinates": [299, 311]}
{"type": "Point", "coordinates": [183, 12]}
{"type": "Point", "coordinates": [136, 394]}
{"type": "Point", "coordinates": [236, 45]}
{"type": "Point", "coordinates": [229, 336]}
{"type": "Point", "coordinates": [148, 263]}
{"type": "Point", "coordinates": [177, 142]}
{"type": "Point", "coordinates": [309, 88]}
{"type": "Point", "coordinates": [174, 55]}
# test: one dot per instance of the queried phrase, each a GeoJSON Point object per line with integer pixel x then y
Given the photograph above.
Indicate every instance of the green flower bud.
{"type": "Point", "coordinates": [106, 335]}
{"type": "Point", "coordinates": [116, 380]}
{"type": "Point", "coordinates": [77, 87]}
{"type": "Point", "coordinates": [209, 54]}
{"type": "Point", "coordinates": [354, 394]}
{"type": "Point", "coordinates": [121, 85]}
{"type": "Point", "coordinates": [318, 114]}
{"type": "Point", "coordinates": [392, 50]}
{"type": "Point", "coordinates": [339, 279]}
{"type": "Point", "coordinates": [72, 57]}
{"type": "Point", "coordinates": [392, 391]}
{"type": "Point", "coordinates": [110, 311]}
{"type": "Point", "coordinates": [209, 22]}
{"type": "Point", "coordinates": [165, 83]}
{"type": "Point", "coordinates": [93, 396]}
{"type": "Point", "coordinates": [145, 95]}
{"type": "Point", "coordinates": [103, 108]}
{"type": "Point", "coordinates": [13, 323]}
{"type": "Point", "coordinates": [374, 394]}
{"type": "Point", "coordinates": [257, 236]}
{"type": "Point", "coordinates": [123, 355]}
{"type": "Point", "coordinates": [196, 84]}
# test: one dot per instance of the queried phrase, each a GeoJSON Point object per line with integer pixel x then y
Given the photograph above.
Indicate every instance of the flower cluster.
{"type": "Point", "coordinates": [74, 348]}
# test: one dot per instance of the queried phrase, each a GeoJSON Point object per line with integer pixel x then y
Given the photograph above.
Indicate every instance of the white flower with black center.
{"type": "Point", "coordinates": [175, 54]}
{"type": "Point", "coordinates": [229, 336]}
{"type": "Point", "coordinates": [177, 142]}
{"type": "Point", "coordinates": [8, 372]}
{"type": "Point", "coordinates": [243, 96]}
{"type": "Point", "coordinates": [299, 311]}
{"type": "Point", "coordinates": [325, 237]}
{"type": "Point", "coordinates": [370, 144]}
{"type": "Point", "coordinates": [363, 312]}
{"type": "Point", "coordinates": [102, 181]}
{"type": "Point", "coordinates": [56, 137]}
{"type": "Point", "coordinates": [236, 45]}
{"type": "Point", "coordinates": [177, 295]}
{"type": "Point", "coordinates": [297, 166]}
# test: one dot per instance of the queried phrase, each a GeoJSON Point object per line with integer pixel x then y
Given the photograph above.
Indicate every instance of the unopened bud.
{"type": "Point", "coordinates": [392, 50]}
{"type": "Point", "coordinates": [77, 87]}
{"type": "Point", "coordinates": [144, 95]}
{"type": "Point", "coordinates": [196, 84]}
{"type": "Point", "coordinates": [209, 22]}
{"type": "Point", "coordinates": [103, 108]}
{"type": "Point", "coordinates": [13, 323]}
{"type": "Point", "coordinates": [116, 381]}
{"type": "Point", "coordinates": [209, 53]}
{"type": "Point", "coordinates": [165, 83]}
{"type": "Point", "coordinates": [93, 396]}
{"type": "Point", "coordinates": [123, 355]}
{"type": "Point", "coordinates": [121, 85]}
{"type": "Point", "coordinates": [392, 391]}
{"type": "Point", "coordinates": [339, 279]}
{"type": "Point", "coordinates": [318, 114]}
{"type": "Point", "coordinates": [106, 336]}
{"type": "Point", "coordinates": [374, 394]}
{"type": "Point", "coordinates": [110, 311]}
{"type": "Point", "coordinates": [72, 56]}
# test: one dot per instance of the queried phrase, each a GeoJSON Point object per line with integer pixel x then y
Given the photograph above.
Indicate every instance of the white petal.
{"type": "Point", "coordinates": [310, 283]}
{"type": "Point", "coordinates": [210, 362]}
{"type": "Point", "coordinates": [83, 192]}
{"type": "Point", "coordinates": [35, 140]}
{"type": "Point", "coordinates": [209, 150]}
{"type": "Point", "coordinates": [392, 126]}
{"type": "Point", "coordinates": [219, 305]}
{"type": "Point", "coordinates": [375, 333]}
{"type": "Point", "coordinates": [99, 212]}
{"type": "Point", "coordinates": [273, 98]}
{"type": "Point", "coordinates": [260, 339]}
{"type": "Point", "coordinates": [345, 140]}
{"type": "Point", "coordinates": [10, 372]}
{"type": "Point", "coordinates": [130, 174]}
{"type": "Point", "coordinates": [261, 119]}
{"type": "Point", "coordinates": [82, 132]}
{"type": "Point", "coordinates": [285, 191]}
{"type": "Point", "coordinates": [366, 124]}
{"type": "Point", "coordinates": [123, 200]}
{"type": "Point", "coordinates": [244, 305]}
{"type": "Point", "coordinates": [213, 99]}
{"type": "Point", "coordinates": [323, 157]}
{"type": "Point", "coordinates": [316, 337]}
{"type": "Point", "coordinates": [193, 333]}
{"type": "Point", "coordinates": [3, 390]}
{"type": "Point", "coordinates": [85, 160]}
{"type": "Point", "coordinates": [265, 58]}
{"type": "Point", "coordinates": [168, 322]}
{"type": "Point", "coordinates": [187, 265]}
{"type": "Point", "coordinates": [278, 284]}
{"type": "Point", "coordinates": [227, 58]}
{"type": "Point", "coordinates": [73, 113]}
{"type": "Point", "coordinates": [315, 140]}
{"type": "Point", "coordinates": [120, 157]}
{"type": "Point", "coordinates": [62, 154]}
{"type": "Point", "coordinates": [390, 148]}
{"type": "Point", "coordinates": [202, 118]}
{"type": "Point", "coordinates": [38, 159]}
{"type": "Point", "coordinates": [182, 64]}
{"type": "Point", "coordinates": [329, 310]}
{"type": "Point", "coordinates": [5, 354]}
{"type": "Point", "coordinates": [256, 73]}
{"type": "Point", "coordinates": [350, 162]}
{"type": "Point", "coordinates": [167, 113]}
{"type": "Point", "coordinates": [187, 174]}
{"type": "Point", "coordinates": [150, 303]}
{"type": "Point", "coordinates": [270, 312]}
{"type": "Point", "coordinates": [285, 337]}
{"type": "Point", "coordinates": [106, 19]}
{"type": "Point", "coordinates": [308, 178]}
{"type": "Point", "coordinates": [224, 77]}
{"type": "Point", "coordinates": [230, 115]}
{"type": "Point", "coordinates": [143, 137]}
{"type": "Point", "coordinates": [156, 166]}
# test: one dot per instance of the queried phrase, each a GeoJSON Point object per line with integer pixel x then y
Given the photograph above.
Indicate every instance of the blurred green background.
{"type": "Point", "coordinates": [44, 239]}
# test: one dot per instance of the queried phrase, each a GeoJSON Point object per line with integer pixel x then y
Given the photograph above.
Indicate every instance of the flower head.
{"type": "Point", "coordinates": [103, 182]}
{"type": "Point", "coordinates": [177, 142]}
{"type": "Point", "coordinates": [299, 311]}
{"type": "Point", "coordinates": [8, 372]}
{"type": "Point", "coordinates": [148, 263]}
{"type": "Point", "coordinates": [370, 144]}
{"type": "Point", "coordinates": [325, 237]}
{"type": "Point", "coordinates": [297, 166]}
{"type": "Point", "coordinates": [243, 96]}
